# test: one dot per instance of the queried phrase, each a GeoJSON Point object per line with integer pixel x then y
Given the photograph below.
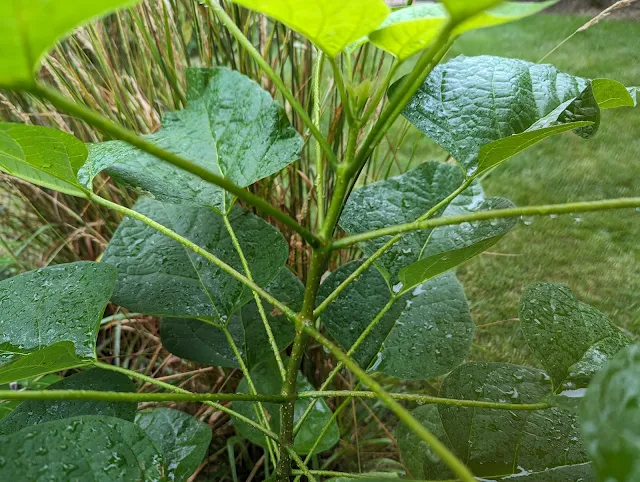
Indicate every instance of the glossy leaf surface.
{"type": "Point", "coordinates": [50, 317]}
{"type": "Point", "coordinates": [230, 126]}
{"type": "Point", "coordinates": [204, 343]}
{"type": "Point", "coordinates": [486, 109]}
{"type": "Point", "coordinates": [426, 333]}
{"type": "Point", "coordinates": [330, 24]}
{"type": "Point", "coordinates": [182, 439]}
{"type": "Point", "coordinates": [159, 276]}
{"type": "Point", "coordinates": [571, 339]}
{"type": "Point", "coordinates": [30, 29]}
{"type": "Point", "coordinates": [403, 199]}
{"type": "Point", "coordinates": [266, 378]}
{"type": "Point", "coordinates": [47, 157]}
{"type": "Point", "coordinates": [96, 448]}
{"type": "Point", "coordinates": [33, 412]}
{"type": "Point", "coordinates": [542, 445]}
{"type": "Point", "coordinates": [611, 419]}
{"type": "Point", "coordinates": [412, 29]}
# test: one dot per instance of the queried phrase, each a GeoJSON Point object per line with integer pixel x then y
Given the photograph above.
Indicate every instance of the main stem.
{"type": "Point", "coordinates": [319, 261]}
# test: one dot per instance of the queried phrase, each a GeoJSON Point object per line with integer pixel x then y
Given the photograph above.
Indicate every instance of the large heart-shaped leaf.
{"type": "Point", "coordinates": [406, 198]}
{"type": "Point", "coordinates": [485, 109]}
{"type": "Point", "coordinates": [182, 439]}
{"type": "Point", "coordinates": [611, 419]}
{"type": "Point", "coordinates": [427, 332]}
{"type": "Point", "coordinates": [231, 126]}
{"type": "Point", "coordinates": [463, 9]}
{"type": "Point", "coordinates": [30, 29]}
{"type": "Point", "coordinates": [50, 317]}
{"type": "Point", "coordinates": [541, 445]}
{"type": "Point", "coordinates": [159, 276]}
{"type": "Point", "coordinates": [330, 24]}
{"type": "Point", "coordinates": [204, 343]}
{"type": "Point", "coordinates": [571, 339]}
{"type": "Point", "coordinates": [409, 30]}
{"type": "Point", "coordinates": [42, 156]}
{"type": "Point", "coordinates": [33, 412]}
{"type": "Point", "coordinates": [266, 378]}
{"type": "Point", "coordinates": [81, 448]}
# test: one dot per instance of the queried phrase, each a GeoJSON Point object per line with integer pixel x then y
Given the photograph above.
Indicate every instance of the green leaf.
{"type": "Point", "coordinates": [159, 276]}
{"type": "Point", "coordinates": [542, 445]}
{"type": "Point", "coordinates": [406, 198]}
{"type": "Point", "coordinates": [426, 333]}
{"type": "Point", "coordinates": [571, 339]}
{"type": "Point", "coordinates": [47, 157]}
{"type": "Point", "coordinates": [50, 318]}
{"type": "Point", "coordinates": [33, 412]}
{"type": "Point", "coordinates": [463, 9]}
{"type": "Point", "coordinates": [230, 126]}
{"type": "Point", "coordinates": [409, 30]}
{"type": "Point", "coordinates": [450, 246]}
{"type": "Point", "coordinates": [485, 109]}
{"type": "Point", "coordinates": [30, 29]}
{"type": "Point", "coordinates": [611, 419]}
{"type": "Point", "coordinates": [266, 378]}
{"type": "Point", "coordinates": [330, 24]}
{"type": "Point", "coordinates": [80, 448]}
{"type": "Point", "coordinates": [204, 343]}
{"type": "Point", "coordinates": [182, 439]}
{"type": "Point", "coordinates": [611, 94]}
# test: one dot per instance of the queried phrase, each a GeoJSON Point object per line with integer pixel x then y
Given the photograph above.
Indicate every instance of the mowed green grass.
{"type": "Point", "coordinates": [597, 255]}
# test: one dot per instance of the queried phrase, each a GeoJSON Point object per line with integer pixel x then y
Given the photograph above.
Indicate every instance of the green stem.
{"type": "Point", "coordinates": [425, 64]}
{"type": "Point", "coordinates": [383, 249]}
{"type": "Point", "coordinates": [178, 390]}
{"type": "Point", "coordinates": [198, 250]}
{"type": "Point", "coordinates": [346, 105]}
{"type": "Point", "coordinates": [303, 466]}
{"type": "Point", "coordinates": [427, 399]}
{"type": "Point", "coordinates": [545, 210]}
{"type": "Point", "coordinates": [135, 397]}
{"type": "Point", "coordinates": [448, 457]}
{"type": "Point", "coordinates": [277, 81]}
{"type": "Point", "coordinates": [351, 351]}
{"type": "Point", "coordinates": [186, 396]}
{"type": "Point", "coordinates": [118, 132]}
{"type": "Point", "coordinates": [257, 406]}
{"type": "Point", "coordinates": [317, 76]}
{"type": "Point", "coordinates": [263, 315]}
{"type": "Point", "coordinates": [373, 104]}
{"type": "Point", "coordinates": [324, 430]}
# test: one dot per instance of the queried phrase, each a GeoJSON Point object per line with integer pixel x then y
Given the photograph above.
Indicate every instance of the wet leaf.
{"type": "Point", "coordinates": [30, 29]}
{"type": "Point", "coordinates": [403, 199]}
{"type": "Point", "coordinates": [230, 126]}
{"type": "Point", "coordinates": [50, 317]}
{"type": "Point", "coordinates": [266, 378]}
{"type": "Point", "coordinates": [159, 276]}
{"type": "Point", "coordinates": [412, 29]}
{"type": "Point", "coordinates": [571, 339]}
{"type": "Point", "coordinates": [201, 342]}
{"type": "Point", "coordinates": [611, 419]}
{"type": "Point", "coordinates": [47, 157]}
{"type": "Point", "coordinates": [80, 448]}
{"type": "Point", "coordinates": [485, 109]}
{"type": "Point", "coordinates": [450, 246]}
{"type": "Point", "coordinates": [33, 412]}
{"type": "Point", "coordinates": [182, 439]}
{"type": "Point", "coordinates": [330, 24]}
{"type": "Point", "coordinates": [542, 445]}
{"type": "Point", "coordinates": [426, 333]}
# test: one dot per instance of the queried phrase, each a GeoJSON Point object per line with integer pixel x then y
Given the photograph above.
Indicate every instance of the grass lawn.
{"type": "Point", "coordinates": [597, 255]}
